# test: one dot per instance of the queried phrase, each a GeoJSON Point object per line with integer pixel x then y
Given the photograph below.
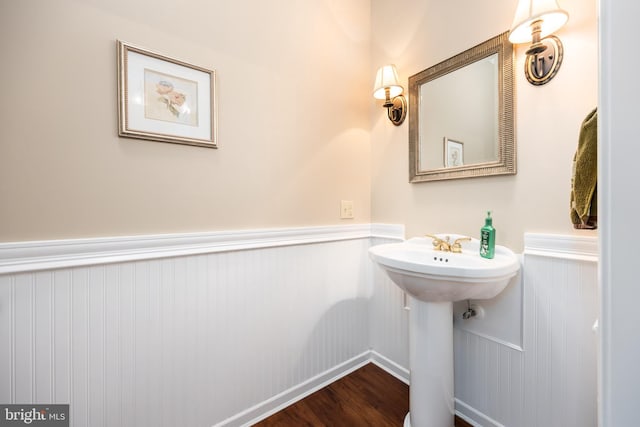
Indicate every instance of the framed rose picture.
{"type": "Point", "coordinates": [453, 153]}
{"type": "Point", "coordinates": [164, 99]}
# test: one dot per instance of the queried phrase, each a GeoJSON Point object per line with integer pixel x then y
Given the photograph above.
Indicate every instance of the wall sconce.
{"type": "Point", "coordinates": [387, 87]}
{"type": "Point", "coordinates": [534, 22]}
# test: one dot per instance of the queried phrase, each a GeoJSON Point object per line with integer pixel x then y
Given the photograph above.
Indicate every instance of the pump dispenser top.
{"type": "Point", "coordinates": [488, 238]}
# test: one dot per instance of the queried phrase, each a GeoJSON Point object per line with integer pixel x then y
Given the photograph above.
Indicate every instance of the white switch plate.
{"type": "Point", "coordinates": [346, 209]}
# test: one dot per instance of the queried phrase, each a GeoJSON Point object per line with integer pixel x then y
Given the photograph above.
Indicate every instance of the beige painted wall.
{"type": "Point", "coordinates": [299, 129]}
{"type": "Point", "coordinates": [416, 34]}
{"type": "Point", "coordinates": [294, 124]}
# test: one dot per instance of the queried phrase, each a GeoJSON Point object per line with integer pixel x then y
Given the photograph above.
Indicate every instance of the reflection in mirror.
{"type": "Point", "coordinates": [461, 116]}
{"type": "Point", "coordinates": [469, 93]}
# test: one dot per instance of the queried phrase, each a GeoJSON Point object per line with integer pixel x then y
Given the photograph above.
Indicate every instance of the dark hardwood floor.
{"type": "Point", "coordinates": [366, 397]}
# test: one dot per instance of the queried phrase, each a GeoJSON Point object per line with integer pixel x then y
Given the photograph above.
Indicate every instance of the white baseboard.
{"type": "Point", "coordinates": [299, 392]}
{"type": "Point", "coordinates": [288, 397]}
{"type": "Point", "coordinates": [279, 402]}
{"type": "Point", "coordinates": [473, 416]}
{"type": "Point", "coordinates": [390, 366]}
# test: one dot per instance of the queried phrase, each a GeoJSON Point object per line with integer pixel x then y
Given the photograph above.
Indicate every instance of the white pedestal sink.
{"type": "Point", "coordinates": [435, 280]}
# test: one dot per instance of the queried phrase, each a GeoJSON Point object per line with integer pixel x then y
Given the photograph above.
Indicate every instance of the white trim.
{"type": "Point", "coordinates": [391, 367]}
{"type": "Point", "coordinates": [498, 340]}
{"type": "Point", "coordinates": [473, 416]}
{"type": "Point", "coordinates": [618, 375]}
{"type": "Point", "coordinates": [580, 248]}
{"type": "Point", "coordinates": [388, 231]}
{"type": "Point", "coordinates": [610, 130]}
{"type": "Point", "coordinates": [288, 397]}
{"type": "Point", "coordinates": [50, 254]}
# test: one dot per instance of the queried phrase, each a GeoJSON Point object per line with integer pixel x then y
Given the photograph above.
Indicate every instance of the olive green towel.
{"type": "Point", "coordinates": [584, 181]}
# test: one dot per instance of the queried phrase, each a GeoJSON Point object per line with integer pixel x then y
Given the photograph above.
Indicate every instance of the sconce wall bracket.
{"type": "Point", "coordinates": [540, 68]}
{"type": "Point", "coordinates": [398, 111]}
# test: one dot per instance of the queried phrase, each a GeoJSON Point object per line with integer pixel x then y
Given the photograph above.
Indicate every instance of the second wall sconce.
{"type": "Point", "coordinates": [534, 22]}
{"type": "Point", "coordinates": [387, 87]}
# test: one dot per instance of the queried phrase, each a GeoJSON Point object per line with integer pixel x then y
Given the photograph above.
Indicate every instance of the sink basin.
{"type": "Point", "coordinates": [434, 276]}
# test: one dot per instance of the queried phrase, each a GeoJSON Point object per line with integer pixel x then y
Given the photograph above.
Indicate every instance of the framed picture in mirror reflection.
{"type": "Point", "coordinates": [453, 153]}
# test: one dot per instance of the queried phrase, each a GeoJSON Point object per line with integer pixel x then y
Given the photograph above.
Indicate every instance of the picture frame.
{"type": "Point", "coordinates": [453, 153]}
{"type": "Point", "coordinates": [165, 99]}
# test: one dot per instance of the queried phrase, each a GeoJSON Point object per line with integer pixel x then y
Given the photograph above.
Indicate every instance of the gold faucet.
{"type": "Point", "coordinates": [457, 246]}
{"type": "Point", "coordinates": [445, 244]}
{"type": "Point", "coordinates": [440, 244]}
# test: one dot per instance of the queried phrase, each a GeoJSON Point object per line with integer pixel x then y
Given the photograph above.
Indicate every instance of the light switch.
{"type": "Point", "coordinates": [346, 209]}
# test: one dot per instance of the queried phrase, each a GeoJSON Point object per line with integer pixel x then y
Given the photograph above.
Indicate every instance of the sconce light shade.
{"type": "Point", "coordinates": [387, 78]}
{"type": "Point", "coordinates": [551, 18]}
{"type": "Point", "coordinates": [534, 23]}
{"type": "Point", "coordinates": [388, 88]}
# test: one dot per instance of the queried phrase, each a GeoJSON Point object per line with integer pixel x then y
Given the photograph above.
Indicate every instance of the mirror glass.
{"type": "Point", "coordinates": [461, 117]}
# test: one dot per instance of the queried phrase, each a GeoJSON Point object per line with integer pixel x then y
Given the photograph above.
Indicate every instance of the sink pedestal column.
{"type": "Point", "coordinates": [431, 364]}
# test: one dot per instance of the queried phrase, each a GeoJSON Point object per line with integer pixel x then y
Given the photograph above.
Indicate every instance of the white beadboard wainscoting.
{"type": "Point", "coordinates": [389, 322]}
{"type": "Point", "coordinates": [185, 330]}
{"type": "Point", "coordinates": [223, 329]}
{"type": "Point", "coordinates": [552, 380]}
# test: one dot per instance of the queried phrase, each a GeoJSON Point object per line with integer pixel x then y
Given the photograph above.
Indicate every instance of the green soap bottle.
{"type": "Point", "coordinates": [488, 238]}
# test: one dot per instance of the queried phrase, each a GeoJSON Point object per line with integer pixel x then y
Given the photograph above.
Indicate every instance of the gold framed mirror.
{"type": "Point", "coordinates": [462, 115]}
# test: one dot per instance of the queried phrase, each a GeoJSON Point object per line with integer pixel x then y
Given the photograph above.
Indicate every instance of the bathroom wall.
{"type": "Point", "coordinates": [293, 96]}
{"type": "Point", "coordinates": [416, 34]}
